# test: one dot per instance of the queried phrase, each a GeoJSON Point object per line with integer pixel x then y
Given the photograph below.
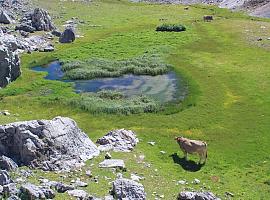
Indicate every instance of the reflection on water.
{"type": "Point", "coordinates": [164, 88]}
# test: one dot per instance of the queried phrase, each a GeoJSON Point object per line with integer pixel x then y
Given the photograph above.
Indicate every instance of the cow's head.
{"type": "Point", "coordinates": [178, 139]}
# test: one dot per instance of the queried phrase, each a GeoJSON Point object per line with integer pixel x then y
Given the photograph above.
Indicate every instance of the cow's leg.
{"type": "Point", "coordinates": [201, 158]}
{"type": "Point", "coordinates": [205, 157]}
{"type": "Point", "coordinates": [185, 155]}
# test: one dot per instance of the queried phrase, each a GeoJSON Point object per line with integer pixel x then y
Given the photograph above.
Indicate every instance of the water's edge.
{"type": "Point", "coordinates": [164, 88]}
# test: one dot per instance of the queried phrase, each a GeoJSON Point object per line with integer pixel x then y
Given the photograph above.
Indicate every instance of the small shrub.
{"type": "Point", "coordinates": [171, 28]}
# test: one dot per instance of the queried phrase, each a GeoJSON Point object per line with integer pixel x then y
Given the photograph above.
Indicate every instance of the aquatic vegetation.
{"type": "Point", "coordinates": [100, 68]}
{"type": "Point", "coordinates": [114, 102]}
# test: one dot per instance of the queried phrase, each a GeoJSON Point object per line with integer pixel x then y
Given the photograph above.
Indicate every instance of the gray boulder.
{"type": "Point", "coordinates": [41, 20]}
{"type": "Point", "coordinates": [112, 163]}
{"type": "Point", "coordinates": [118, 140]}
{"type": "Point", "coordinates": [9, 65]}
{"type": "Point", "coordinates": [67, 36]}
{"type": "Point", "coordinates": [79, 183]}
{"type": "Point", "coordinates": [80, 194]}
{"type": "Point", "coordinates": [5, 18]}
{"type": "Point", "coordinates": [56, 144]}
{"type": "Point", "coordinates": [61, 187]}
{"type": "Point", "coordinates": [7, 163]}
{"type": "Point", "coordinates": [10, 189]}
{"type": "Point", "coordinates": [25, 27]}
{"type": "Point", "coordinates": [128, 189]}
{"type": "Point", "coordinates": [56, 33]}
{"type": "Point", "coordinates": [48, 48]}
{"type": "Point", "coordinates": [197, 196]}
{"type": "Point", "coordinates": [4, 177]}
{"type": "Point", "coordinates": [37, 20]}
{"type": "Point", "coordinates": [30, 191]}
{"type": "Point", "coordinates": [13, 197]}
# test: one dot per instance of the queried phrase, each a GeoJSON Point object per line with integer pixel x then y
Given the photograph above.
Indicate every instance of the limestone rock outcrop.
{"type": "Point", "coordinates": [56, 144]}
{"type": "Point", "coordinates": [9, 64]}
{"type": "Point", "coordinates": [128, 189]}
{"type": "Point", "coordinates": [37, 20]}
{"type": "Point", "coordinates": [118, 140]}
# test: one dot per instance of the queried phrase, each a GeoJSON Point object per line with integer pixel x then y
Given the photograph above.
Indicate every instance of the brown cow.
{"type": "Point", "coordinates": [208, 18]}
{"type": "Point", "coordinates": [193, 147]}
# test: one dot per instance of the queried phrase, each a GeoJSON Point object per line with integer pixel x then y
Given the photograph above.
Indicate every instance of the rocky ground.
{"type": "Point", "coordinates": [260, 8]}
{"type": "Point", "coordinates": [59, 145]}
{"type": "Point", "coordinates": [20, 21]}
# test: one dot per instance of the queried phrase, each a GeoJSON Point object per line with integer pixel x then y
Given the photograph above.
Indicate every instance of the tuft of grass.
{"type": "Point", "coordinates": [100, 68]}
{"type": "Point", "coordinates": [171, 28]}
{"type": "Point", "coordinates": [114, 102]}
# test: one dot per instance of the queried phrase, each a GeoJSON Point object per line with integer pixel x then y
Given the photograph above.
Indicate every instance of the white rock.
{"type": "Point", "coordinates": [135, 177]}
{"type": "Point", "coordinates": [112, 163]}
{"type": "Point", "coordinates": [196, 181]}
{"type": "Point", "coordinates": [78, 193]}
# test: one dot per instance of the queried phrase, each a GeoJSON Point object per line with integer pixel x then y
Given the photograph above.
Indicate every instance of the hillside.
{"type": "Point", "coordinates": [260, 8]}
{"type": "Point", "coordinates": [107, 88]}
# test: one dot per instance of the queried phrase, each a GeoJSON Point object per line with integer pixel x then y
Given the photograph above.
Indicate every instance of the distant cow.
{"type": "Point", "coordinates": [193, 147]}
{"type": "Point", "coordinates": [208, 18]}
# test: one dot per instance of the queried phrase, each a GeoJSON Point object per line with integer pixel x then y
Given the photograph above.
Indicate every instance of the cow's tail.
{"type": "Point", "coordinates": [206, 150]}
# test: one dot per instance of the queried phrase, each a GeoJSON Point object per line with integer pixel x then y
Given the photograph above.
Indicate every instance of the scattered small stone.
{"type": "Point", "coordinates": [6, 113]}
{"type": "Point", "coordinates": [49, 48]}
{"type": "Point", "coordinates": [135, 177]}
{"type": "Point", "coordinates": [229, 194]}
{"type": "Point", "coordinates": [10, 189]}
{"type": "Point", "coordinates": [119, 175]}
{"type": "Point", "coordinates": [81, 194]}
{"type": "Point", "coordinates": [118, 140]}
{"type": "Point", "coordinates": [162, 152]}
{"type": "Point", "coordinates": [30, 191]}
{"type": "Point", "coordinates": [196, 195]}
{"type": "Point", "coordinates": [152, 143]}
{"type": "Point", "coordinates": [128, 189]}
{"type": "Point", "coordinates": [13, 197]}
{"type": "Point", "coordinates": [181, 182]}
{"type": "Point", "coordinates": [61, 188]}
{"type": "Point", "coordinates": [56, 33]}
{"type": "Point", "coordinates": [88, 173]}
{"type": "Point", "coordinates": [108, 155]}
{"type": "Point", "coordinates": [112, 163]}
{"type": "Point", "coordinates": [196, 181]}
{"type": "Point", "coordinates": [259, 39]}
{"type": "Point", "coordinates": [109, 197]}
{"type": "Point", "coordinates": [79, 183]}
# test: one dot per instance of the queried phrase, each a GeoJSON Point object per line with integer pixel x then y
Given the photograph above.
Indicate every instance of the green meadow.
{"type": "Point", "coordinates": [228, 102]}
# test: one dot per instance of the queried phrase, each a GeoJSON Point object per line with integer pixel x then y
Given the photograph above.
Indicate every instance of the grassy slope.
{"type": "Point", "coordinates": [231, 82]}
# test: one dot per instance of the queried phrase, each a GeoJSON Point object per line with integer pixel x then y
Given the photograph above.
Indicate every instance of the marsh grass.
{"type": "Point", "coordinates": [100, 68]}
{"type": "Point", "coordinates": [171, 28]}
{"type": "Point", "coordinates": [114, 102]}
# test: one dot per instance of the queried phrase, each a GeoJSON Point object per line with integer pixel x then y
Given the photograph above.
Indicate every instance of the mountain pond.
{"type": "Point", "coordinates": [164, 88]}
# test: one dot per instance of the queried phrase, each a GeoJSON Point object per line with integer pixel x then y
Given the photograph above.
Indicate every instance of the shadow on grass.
{"type": "Point", "coordinates": [187, 165]}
